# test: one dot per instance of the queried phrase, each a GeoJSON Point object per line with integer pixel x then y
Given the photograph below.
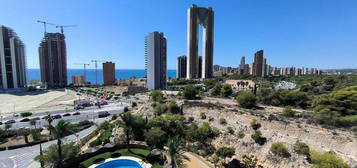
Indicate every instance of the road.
{"type": "Point", "coordinates": [23, 157]}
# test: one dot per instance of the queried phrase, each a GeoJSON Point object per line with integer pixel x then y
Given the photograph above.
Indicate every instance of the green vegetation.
{"type": "Point", "coordinates": [203, 115]}
{"type": "Point", "coordinates": [202, 134]}
{"type": "Point", "coordinates": [50, 156]}
{"type": "Point", "coordinates": [190, 92]}
{"type": "Point", "coordinates": [230, 130]}
{"type": "Point", "coordinates": [174, 152]}
{"type": "Point", "coordinates": [58, 132]}
{"type": "Point", "coordinates": [279, 149]}
{"type": "Point", "coordinates": [225, 152]}
{"type": "Point", "coordinates": [249, 161]}
{"type": "Point", "coordinates": [255, 124]}
{"type": "Point", "coordinates": [338, 108]}
{"type": "Point", "coordinates": [157, 96]}
{"type": "Point", "coordinates": [134, 104]}
{"type": "Point", "coordinates": [246, 99]}
{"type": "Point", "coordinates": [156, 138]}
{"type": "Point", "coordinates": [326, 160]}
{"type": "Point", "coordinates": [293, 98]}
{"type": "Point", "coordinates": [222, 121]}
{"type": "Point", "coordinates": [173, 108]}
{"type": "Point", "coordinates": [289, 112]}
{"type": "Point", "coordinates": [25, 114]}
{"type": "Point", "coordinates": [216, 90]}
{"type": "Point", "coordinates": [302, 148]}
{"type": "Point", "coordinates": [126, 109]}
{"type": "Point", "coordinates": [257, 137]}
{"type": "Point", "coordinates": [226, 90]}
{"type": "Point", "coordinates": [240, 134]}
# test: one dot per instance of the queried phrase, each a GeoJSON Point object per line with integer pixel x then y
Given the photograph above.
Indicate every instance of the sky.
{"type": "Point", "coordinates": [310, 33]}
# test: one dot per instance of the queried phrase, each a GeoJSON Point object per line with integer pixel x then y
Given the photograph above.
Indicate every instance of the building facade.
{"type": "Point", "coordinates": [53, 60]}
{"type": "Point", "coordinates": [156, 61]}
{"type": "Point", "coordinates": [258, 64]}
{"type": "Point", "coordinates": [199, 16]}
{"type": "Point", "coordinates": [12, 60]}
{"type": "Point", "coordinates": [181, 67]}
{"type": "Point", "coordinates": [109, 73]}
{"type": "Point", "coordinates": [78, 80]}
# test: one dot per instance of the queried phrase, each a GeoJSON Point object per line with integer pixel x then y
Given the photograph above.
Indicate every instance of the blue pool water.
{"type": "Point", "coordinates": [123, 163]}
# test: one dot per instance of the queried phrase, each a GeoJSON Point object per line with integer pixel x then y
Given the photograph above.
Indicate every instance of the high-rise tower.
{"type": "Point", "coordinates": [258, 63]}
{"type": "Point", "coordinates": [181, 67]}
{"type": "Point", "coordinates": [12, 60]}
{"type": "Point", "coordinates": [199, 16]}
{"type": "Point", "coordinates": [108, 73]}
{"type": "Point", "coordinates": [53, 60]}
{"type": "Point", "coordinates": [155, 55]}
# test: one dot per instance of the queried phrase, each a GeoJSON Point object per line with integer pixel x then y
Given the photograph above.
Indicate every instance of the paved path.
{"type": "Point", "coordinates": [192, 161]}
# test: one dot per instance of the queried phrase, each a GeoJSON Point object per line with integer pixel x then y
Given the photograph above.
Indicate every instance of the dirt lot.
{"type": "Point", "coordinates": [38, 101]}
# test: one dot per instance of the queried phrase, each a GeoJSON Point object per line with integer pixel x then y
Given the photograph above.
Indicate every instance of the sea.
{"type": "Point", "coordinates": [34, 74]}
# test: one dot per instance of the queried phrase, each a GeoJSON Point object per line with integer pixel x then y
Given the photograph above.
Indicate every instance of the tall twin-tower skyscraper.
{"type": "Point", "coordinates": [199, 16]}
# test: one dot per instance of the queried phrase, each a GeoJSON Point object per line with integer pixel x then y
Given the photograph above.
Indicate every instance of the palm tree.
{"type": "Point", "coordinates": [174, 152]}
{"type": "Point", "coordinates": [62, 129]}
{"type": "Point", "coordinates": [127, 123]}
{"type": "Point", "coordinates": [49, 120]}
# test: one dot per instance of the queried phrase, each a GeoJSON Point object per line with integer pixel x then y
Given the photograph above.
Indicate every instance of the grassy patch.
{"type": "Point", "coordinates": [123, 152]}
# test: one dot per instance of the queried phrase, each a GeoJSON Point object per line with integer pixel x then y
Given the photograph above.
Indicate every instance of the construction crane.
{"type": "Point", "coordinates": [44, 24]}
{"type": "Point", "coordinates": [63, 26]}
{"type": "Point", "coordinates": [84, 68]}
{"type": "Point", "coordinates": [96, 70]}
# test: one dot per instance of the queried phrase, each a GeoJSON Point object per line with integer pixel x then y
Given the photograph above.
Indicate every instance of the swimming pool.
{"type": "Point", "coordinates": [122, 163]}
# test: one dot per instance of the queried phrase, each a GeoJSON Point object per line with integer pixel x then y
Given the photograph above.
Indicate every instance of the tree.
{"type": "Point", "coordinates": [157, 96]}
{"type": "Point", "coordinates": [226, 90]}
{"type": "Point", "coordinates": [255, 124]}
{"type": "Point", "coordinates": [25, 114]}
{"type": "Point", "coordinates": [246, 99]}
{"type": "Point", "coordinates": [62, 129]}
{"type": "Point", "coordinates": [225, 152]}
{"type": "Point", "coordinates": [257, 137]}
{"type": "Point", "coordinates": [203, 134]}
{"type": "Point", "coordinates": [326, 160]}
{"type": "Point", "coordinates": [134, 104]}
{"type": "Point", "coordinates": [50, 156]}
{"type": "Point", "coordinates": [156, 138]}
{"type": "Point", "coordinates": [160, 109]}
{"type": "Point", "coordinates": [49, 120]}
{"type": "Point", "coordinates": [127, 124]}
{"type": "Point", "coordinates": [173, 151]}
{"type": "Point", "coordinates": [173, 125]}
{"type": "Point", "coordinates": [190, 92]}
{"type": "Point", "coordinates": [33, 122]}
{"type": "Point", "coordinates": [279, 149]}
{"type": "Point", "coordinates": [25, 133]}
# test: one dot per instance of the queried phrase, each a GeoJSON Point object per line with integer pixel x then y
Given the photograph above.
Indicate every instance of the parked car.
{"type": "Point", "coordinates": [103, 114]}
{"type": "Point", "coordinates": [25, 120]}
{"type": "Point", "coordinates": [76, 113]}
{"type": "Point", "coordinates": [0, 123]}
{"type": "Point", "coordinates": [10, 122]}
{"type": "Point", "coordinates": [67, 114]}
{"type": "Point", "coordinates": [57, 116]}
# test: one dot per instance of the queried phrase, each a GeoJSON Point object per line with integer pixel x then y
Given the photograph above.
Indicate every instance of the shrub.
{"type": "Point", "coordinates": [191, 119]}
{"type": "Point", "coordinates": [222, 121]}
{"type": "Point", "coordinates": [156, 138]}
{"type": "Point", "coordinates": [226, 90]}
{"type": "Point", "coordinates": [257, 137]}
{"type": "Point", "coordinates": [230, 130]}
{"type": "Point", "coordinates": [126, 109]}
{"type": "Point", "coordinates": [289, 112]}
{"type": "Point", "coordinates": [216, 90]}
{"type": "Point", "coordinates": [190, 92]}
{"type": "Point", "coordinates": [157, 96]}
{"type": "Point", "coordinates": [302, 148]}
{"type": "Point", "coordinates": [327, 160]}
{"type": "Point", "coordinates": [173, 108]}
{"type": "Point", "coordinates": [240, 134]}
{"type": "Point", "coordinates": [225, 152]}
{"type": "Point", "coordinates": [246, 99]}
{"type": "Point", "coordinates": [249, 161]}
{"type": "Point", "coordinates": [210, 119]}
{"type": "Point", "coordinates": [134, 104]}
{"type": "Point", "coordinates": [203, 115]}
{"type": "Point", "coordinates": [255, 124]}
{"type": "Point", "coordinates": [160, 109]}
{"type": "Point", "coordinates": [279, 149]}
{"type": "Point", "coordinates": [25, 114]}
{"type": "Point", "coordinates": [114, 117]}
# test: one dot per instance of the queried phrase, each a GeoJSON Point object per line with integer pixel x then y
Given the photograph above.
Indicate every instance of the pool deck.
{"type": "Point", "coordinates": [141, 163]}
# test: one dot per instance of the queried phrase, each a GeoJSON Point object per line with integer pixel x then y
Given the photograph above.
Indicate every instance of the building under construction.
{"type": "Point", "coordinates": [53, 60]}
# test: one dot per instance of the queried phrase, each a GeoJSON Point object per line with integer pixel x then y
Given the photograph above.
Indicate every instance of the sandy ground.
{"type": "Point", "coordinates": [35, 101]}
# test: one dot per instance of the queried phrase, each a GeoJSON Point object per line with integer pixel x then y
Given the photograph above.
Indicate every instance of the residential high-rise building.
{"type": "Point", "coordinates": [109, 73]}
{"type": "Point", "coordinates": [78, 80]}
{"type": "Point", "coordinates": [181, 67]}
{"type": "Point", "coordinates": [53, 60]}
{"type": "Point", "coordinates": [199, 16]}
{"type": "Point", "coordinates": [258, 63]}
{"type": "Point", "coordinates": [200, 67]}
{"type": "Point", "coordinates": [12, 60]}
{"type": "Point", "coordinates": [156, 57]}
